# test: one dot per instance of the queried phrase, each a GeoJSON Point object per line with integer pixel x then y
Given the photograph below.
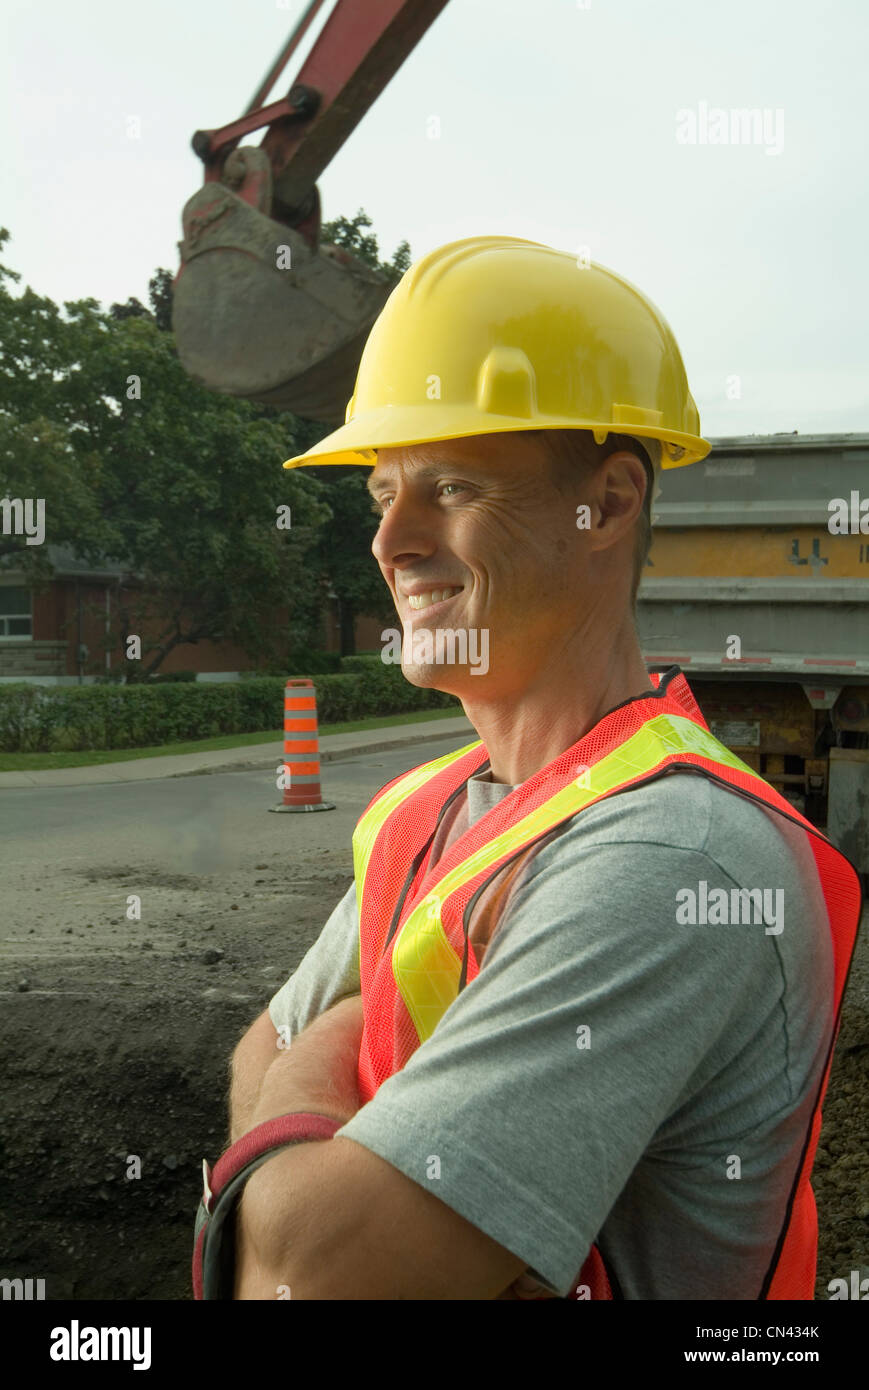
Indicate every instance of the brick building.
{"type": "Point", "coordinates": [61, 634]}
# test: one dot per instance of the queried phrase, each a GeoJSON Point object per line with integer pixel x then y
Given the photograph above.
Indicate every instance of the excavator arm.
{"type": "Point", "coordinates": [261, 309]}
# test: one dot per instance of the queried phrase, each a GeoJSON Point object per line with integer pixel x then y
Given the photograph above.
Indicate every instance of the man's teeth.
{"type": "Point", "coordinates": [435, 596]}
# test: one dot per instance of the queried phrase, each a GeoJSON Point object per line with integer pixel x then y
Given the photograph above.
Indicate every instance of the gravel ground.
{"type": "Point", "coordinates": [123, 1051]}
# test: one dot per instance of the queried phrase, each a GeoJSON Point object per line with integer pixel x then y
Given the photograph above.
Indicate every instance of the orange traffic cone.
{"type": "Point", "coordinates": [301, 770]}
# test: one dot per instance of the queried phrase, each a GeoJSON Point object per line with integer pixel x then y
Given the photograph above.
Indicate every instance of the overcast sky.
{"type": "Point", "coordinates": [563, 122]}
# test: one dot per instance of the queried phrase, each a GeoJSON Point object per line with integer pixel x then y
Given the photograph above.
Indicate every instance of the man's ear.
{"type": "Point", "coordinates": [621, 483]}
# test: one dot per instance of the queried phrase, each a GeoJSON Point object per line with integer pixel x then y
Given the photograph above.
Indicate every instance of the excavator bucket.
{"type": "Point", "coordinates": [258, 313]}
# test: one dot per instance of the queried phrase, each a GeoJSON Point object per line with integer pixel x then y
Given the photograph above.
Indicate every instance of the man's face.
{"type": "Point", "coordinates": [482, 518]}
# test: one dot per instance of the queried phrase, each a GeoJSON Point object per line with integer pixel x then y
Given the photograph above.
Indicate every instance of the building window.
{"type": "Point", "coordinates": [15, 618]}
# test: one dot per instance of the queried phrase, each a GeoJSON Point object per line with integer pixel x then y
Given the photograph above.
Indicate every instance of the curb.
{"type": "Point", "coordinates": [335, 756]}
{"type": "Point", "coordinates": [139, 769]}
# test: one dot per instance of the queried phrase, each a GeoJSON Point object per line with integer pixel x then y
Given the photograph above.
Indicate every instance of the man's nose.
{"type": "Point", "coordinates": [406, 530]}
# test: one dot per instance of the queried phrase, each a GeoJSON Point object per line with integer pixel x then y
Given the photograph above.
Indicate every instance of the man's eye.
{"type": "Point", "coordinates": [381, 504]}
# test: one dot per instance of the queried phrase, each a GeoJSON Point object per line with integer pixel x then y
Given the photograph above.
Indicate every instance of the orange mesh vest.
{"type": "Point", "coordinates": [414, 951]}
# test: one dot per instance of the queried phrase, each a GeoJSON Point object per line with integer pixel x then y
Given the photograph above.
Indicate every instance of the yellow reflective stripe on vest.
{"type": "Point", "coordinates": [370, 824]}
{"type": "Point", "coordinates": [425, 967]}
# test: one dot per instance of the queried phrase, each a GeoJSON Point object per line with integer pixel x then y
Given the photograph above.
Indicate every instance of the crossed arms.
{"type": "Point", "coordinates": [330, 1219]}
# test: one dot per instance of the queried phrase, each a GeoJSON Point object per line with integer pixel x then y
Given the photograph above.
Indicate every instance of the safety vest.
{"type": "Point", "coordinates": [414, 952]}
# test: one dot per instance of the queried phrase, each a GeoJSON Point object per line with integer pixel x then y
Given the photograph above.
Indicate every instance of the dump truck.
{"type": "Point", "coordinates": [757, 585]}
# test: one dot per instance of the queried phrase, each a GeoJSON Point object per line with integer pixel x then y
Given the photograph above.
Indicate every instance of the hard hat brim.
{"type": "Point", "coordinates": [394, 427]}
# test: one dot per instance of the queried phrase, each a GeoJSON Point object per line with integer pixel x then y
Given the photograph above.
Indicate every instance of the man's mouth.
{"type": "Point", "coordinates": [431, 597]}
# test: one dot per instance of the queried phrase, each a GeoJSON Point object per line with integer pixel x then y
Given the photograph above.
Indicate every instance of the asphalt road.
{"type": "Point", "coordinates": [137, 818]}
{"type": "Point", "coordinates": [70, 856]}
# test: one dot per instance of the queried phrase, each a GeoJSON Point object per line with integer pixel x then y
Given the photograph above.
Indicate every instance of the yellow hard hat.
{"type": "Point", "coordinates": [493, 334]}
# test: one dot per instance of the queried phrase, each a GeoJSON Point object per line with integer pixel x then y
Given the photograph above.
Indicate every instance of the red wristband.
{"type": "Point", "coordinates": [222, 1186]}
{"type": "Point", "coordinates": [271, 1134]}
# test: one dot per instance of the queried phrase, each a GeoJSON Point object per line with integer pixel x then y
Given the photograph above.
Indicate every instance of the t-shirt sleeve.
{"type": "Point", "coordinates": [328, 972]}
{"type": "Point", "coordinates": [534, 1099]}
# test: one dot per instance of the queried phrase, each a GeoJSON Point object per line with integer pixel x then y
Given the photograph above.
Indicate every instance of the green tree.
{"type": "Point", "coordinates": [348, 232]}
{"type": "Point", "coordinates": [160, 298]}
{"type": "Point", "coordinates": [39, 457]}
{"type": "Point", "coordinates": [180, 486]}
{"type": "Point", "coordinates": [133, 309]}
{"type": "Point", "coordinates": [343, 555]}
{"type": "Point", "coordinates": [192, 489]}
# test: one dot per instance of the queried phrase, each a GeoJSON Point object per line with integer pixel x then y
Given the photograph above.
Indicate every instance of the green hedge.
{"type": "Point", "coordinates": [43, 719]}
{"type": "Point", "coordinates": [171, 676]}
{"type": "Point", "coordinates": [360, 663]}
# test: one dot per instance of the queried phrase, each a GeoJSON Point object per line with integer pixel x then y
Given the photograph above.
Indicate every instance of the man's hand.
{"type": "Point", "coordinates": [317, 1072]}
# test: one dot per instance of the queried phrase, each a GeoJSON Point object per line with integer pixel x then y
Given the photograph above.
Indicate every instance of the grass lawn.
{"type": "Point", "coordinates": [35, 762]}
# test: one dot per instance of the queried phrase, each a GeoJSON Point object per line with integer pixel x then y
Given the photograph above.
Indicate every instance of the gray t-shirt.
{"type": "Point", "coordinates": [616, 1073]}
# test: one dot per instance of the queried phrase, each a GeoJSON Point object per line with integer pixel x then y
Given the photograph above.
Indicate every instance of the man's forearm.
{"type": "Point", "coordinates": [317, 1072]}
{"type": "Point", "coordinates": [250, 1062]}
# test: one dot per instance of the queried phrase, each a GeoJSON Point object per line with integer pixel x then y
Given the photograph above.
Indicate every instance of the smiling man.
{"type": "Point", "coordinates": [492, 520]}
{"type": "Point", "coordinates": [515, 1069]}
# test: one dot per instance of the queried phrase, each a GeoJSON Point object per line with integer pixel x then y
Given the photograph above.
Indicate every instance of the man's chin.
{"type": "Point", "coordinates": [450, 681]}
{"type": "Point", "coordinates": [426, 677]}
